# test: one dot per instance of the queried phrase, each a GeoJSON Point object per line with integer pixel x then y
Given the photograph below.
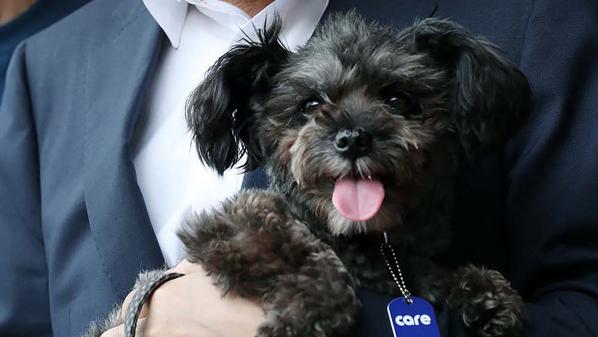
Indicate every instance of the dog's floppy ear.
{"type": "Point", "coordinates": [220, 111]}
{"type": "Point", "coordinates": [491, 98]}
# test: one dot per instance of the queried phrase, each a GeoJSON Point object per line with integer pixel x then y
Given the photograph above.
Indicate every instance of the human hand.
{"type": "Point", "coordinates": [191, 306]}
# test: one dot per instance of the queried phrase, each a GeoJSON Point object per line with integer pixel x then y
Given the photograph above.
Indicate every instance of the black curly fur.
{"type": "Point", "coordinates": [289, 248]}
{"type": "Point", "coordinates": [219, 113]}
{"type": "Point", "coordinates": [285, 267]}
{"type": "Point", "coordinates": [490, 106]}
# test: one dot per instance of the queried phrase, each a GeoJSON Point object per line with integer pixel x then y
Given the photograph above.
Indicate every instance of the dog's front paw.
{"type": "Point", "coordinates": [488, 305]}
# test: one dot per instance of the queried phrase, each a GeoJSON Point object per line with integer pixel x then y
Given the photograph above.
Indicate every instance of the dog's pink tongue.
{"type": "Point", "coordinates": [358, 200]}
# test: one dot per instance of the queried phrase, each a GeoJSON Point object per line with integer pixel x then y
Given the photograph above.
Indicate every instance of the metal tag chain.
{"type": "Point", "coordinates": [400, 281]}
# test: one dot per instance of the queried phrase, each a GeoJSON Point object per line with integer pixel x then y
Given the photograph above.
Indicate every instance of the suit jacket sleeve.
{"type": "Point", "coordinates": [552, 195]}
{"type": "Point", "coordinates": [24, 308]}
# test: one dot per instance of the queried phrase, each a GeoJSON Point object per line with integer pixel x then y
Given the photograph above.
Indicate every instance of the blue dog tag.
{"type": "Point", "coordinates": [412, 320]}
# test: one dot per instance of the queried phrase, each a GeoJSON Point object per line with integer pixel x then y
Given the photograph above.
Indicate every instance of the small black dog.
{"type": "Point", "coordinates": [362, 131]}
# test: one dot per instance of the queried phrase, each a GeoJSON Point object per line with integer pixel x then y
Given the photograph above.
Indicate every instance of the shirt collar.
{"type": "Point", "coordinates": [297, 15]}
{"type": "Point", "coordinates": [170, 16]}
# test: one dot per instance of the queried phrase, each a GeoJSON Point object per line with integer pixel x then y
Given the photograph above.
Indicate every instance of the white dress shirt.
{"type": "Point", "coordinates": [174, 183]}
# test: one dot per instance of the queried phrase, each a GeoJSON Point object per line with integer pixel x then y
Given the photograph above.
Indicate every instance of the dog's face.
{"type": "Point", "coordinates": [355, 122]}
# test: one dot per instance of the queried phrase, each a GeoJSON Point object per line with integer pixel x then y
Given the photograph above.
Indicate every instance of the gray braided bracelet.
{"type": "Point", "coordinates": [140, 297]}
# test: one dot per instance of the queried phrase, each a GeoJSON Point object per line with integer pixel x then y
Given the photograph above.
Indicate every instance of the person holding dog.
{"type": "Point", "coordinates": [77, 226]}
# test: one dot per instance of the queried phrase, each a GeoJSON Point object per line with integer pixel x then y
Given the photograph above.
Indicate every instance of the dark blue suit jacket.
{"type": "Point", "coordinates": [74, 230]}
{"type": "Point", "coordinates": [37, 17]}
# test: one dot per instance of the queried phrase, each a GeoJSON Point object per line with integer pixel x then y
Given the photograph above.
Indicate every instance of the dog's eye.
{"type": "Point", "coordinates": [311, 104]}
{"type": "Point", "coordinates": [402, 103]}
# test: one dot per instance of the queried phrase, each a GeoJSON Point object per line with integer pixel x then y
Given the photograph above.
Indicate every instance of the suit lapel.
{"type": "Point", "coordinates": [117, 73]}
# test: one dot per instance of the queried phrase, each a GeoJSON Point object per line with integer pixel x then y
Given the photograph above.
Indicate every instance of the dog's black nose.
{"type": "Point", "coordinates": [353, 143]}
